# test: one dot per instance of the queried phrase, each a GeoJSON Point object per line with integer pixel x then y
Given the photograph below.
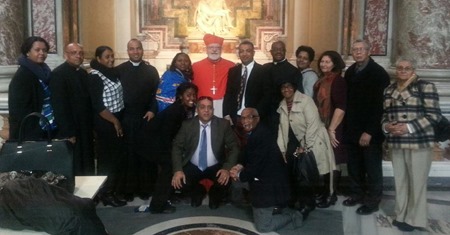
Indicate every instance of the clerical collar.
{"type": "Point", "coordinates": [279, 62]}
{"type": "Point", "coordinates": [135, 63]}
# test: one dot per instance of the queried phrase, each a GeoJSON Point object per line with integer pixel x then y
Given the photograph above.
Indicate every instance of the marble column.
{"type": "Point", "coordinates": [11, 30]}
{"type": "Point", "coordinates": [423, 32]}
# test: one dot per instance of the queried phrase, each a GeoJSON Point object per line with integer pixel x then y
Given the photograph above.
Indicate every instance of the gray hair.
{"type": "Point", "coordinates": [412, 61]}
{"type": "Point", "coordinates": [365, 42]}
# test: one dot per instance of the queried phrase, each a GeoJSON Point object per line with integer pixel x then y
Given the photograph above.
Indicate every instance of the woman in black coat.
{"type": "Point", "coordinates": [28, 90]}
{"type": "Point", "coordinates": [157, 145]}
{"type": "Point", "coordinates": [106, 95]}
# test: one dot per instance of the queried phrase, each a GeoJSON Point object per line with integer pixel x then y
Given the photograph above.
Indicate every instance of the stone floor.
{"type": "Point", "coordinates": [354, 224]}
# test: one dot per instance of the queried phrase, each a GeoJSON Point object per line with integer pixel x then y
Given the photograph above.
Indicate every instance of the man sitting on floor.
{"type": "Point", "coordinates": [266, 172]}
{"type": "Point", "coordinates": [198, 152]}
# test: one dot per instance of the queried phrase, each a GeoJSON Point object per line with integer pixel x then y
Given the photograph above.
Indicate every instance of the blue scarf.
{"type": "Point", "coordinates": [42, 71]}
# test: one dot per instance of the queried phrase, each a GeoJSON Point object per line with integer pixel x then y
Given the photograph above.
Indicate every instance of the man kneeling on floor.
{"type": "Point", "coordinates": [263, 167]}
{"type": "Point", "coordinates": [198, 152]}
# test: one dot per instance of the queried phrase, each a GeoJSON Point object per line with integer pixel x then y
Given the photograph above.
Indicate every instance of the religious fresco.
{"type": "Point", "coordinates": [176, 22]}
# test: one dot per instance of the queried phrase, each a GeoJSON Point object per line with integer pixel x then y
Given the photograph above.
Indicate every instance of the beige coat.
{"type": "Point", "coordinates": [306, 124]}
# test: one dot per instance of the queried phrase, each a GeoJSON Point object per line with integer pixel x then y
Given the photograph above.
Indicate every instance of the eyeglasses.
{"type": "Point", "coordinates": [249, 117]}
{"type": "Point", "coordinates": [406, 69]}
{"type": "Point", "coordinates": [72, 53]}
{"type": "Point", "coordinates": [359, 49]}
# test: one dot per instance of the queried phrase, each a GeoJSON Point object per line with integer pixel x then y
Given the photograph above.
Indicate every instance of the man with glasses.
{"type": "Point", "coordinates": [366, 81]}
{"type": "Point", "coordinates": [210, 74]}
{"type": "Point", "coordinates": [198, 152]}
{"type": "Point", "coordinates": [72, 107]}
{"type": "Point", "coordinates": [265, 171]}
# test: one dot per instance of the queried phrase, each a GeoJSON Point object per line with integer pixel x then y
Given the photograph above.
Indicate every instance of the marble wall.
{"type": "Point", "coordinates": [12, 29]}
{"type": "Point", "coordinates": [376, 17]}
{"type": "Point", "coordinates": [424, 32]}
{"type": "Point", "coordinates": [44, 21]}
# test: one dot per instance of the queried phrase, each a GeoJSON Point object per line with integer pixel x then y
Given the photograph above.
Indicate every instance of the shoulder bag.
{"type": "Point", "coordinates": [40, 155]}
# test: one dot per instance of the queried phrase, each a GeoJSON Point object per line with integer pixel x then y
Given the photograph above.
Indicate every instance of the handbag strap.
{"type": "Point", "coordinates": [41, 118]}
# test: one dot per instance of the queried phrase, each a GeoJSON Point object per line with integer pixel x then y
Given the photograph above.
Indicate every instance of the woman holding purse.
{"type": "Point", "coordinates": [300, 129]}
{"type": "Point", "coordinates": [411, 108]}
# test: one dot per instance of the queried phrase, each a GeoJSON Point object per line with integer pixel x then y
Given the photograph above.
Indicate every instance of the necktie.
{"type": "Point", "coordinates": [241, 91]}
{"type": "Point", "coordinates": [203, 158]}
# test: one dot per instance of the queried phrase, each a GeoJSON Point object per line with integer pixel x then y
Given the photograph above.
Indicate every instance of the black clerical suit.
{"type": "Point", "coordinates": [274, 72]}
{"type": "Point", "coordinates": [73, 113]}
{"type": "Point", "coordinates": [139, 90]}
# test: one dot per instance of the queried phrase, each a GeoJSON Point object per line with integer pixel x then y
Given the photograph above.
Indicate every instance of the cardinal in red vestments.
{"type": "Point", "coordinates": [210, 74]}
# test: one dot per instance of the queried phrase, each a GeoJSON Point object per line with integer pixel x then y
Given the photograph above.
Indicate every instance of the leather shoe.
{"type": "Point", "coordinates": [402, 226]}
{"type": "Point", "coordinates": [168, 209]}
{"type": "Point", "coordinates": [306, 210]}
{"type": "Point", "coordinates": [351, 201]}
{"type": "Point", "coordinates": [366, 210]}
{"type": "Point", "coordinates": [277, 210]}
{"type": "Point", "coordinates": [110, 199]}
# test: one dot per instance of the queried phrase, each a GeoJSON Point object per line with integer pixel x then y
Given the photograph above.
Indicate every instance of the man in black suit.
{"type": "Point", "coordinates": [72, 107]}
{"type": "Point", "coordinates": [273, 72]}
{"type": "Point", "coordinates": [366, 81]}
{"type": "Point", "coordinates": [244, 86]}
{"type": "Point", "coordinates": [198, 152]}
{"type": "Point", "coordinates": [265, 170]}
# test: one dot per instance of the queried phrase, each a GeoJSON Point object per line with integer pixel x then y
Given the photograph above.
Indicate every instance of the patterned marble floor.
{"type": "Point", "coordinates": [353, 224]}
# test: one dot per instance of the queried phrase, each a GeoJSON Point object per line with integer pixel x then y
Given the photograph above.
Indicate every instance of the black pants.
{"type": "Point", "coordinates": [365, 171]}
{"type": "Point", "coordinates": [194, 175]}
{"type": "Point", "coordinates": [140, 173]}
{"type": "Point", "coordinates": [110, 154]}
{"type": "Point", "coordinates": [163, 187]}
{"type": "Point", "coordinates": [83, 153]}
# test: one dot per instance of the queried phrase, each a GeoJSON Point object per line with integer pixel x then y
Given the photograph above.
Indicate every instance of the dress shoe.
{"type": "Point", "coordinates": [351, 201]}
{"type": "Point", "coordinates": [366, 210]}
{"type": "Point", "coordinates": [196, 201]}
{"type": "Point", "coordinates": [402, 226]}
{"type": "Point", "coordinates": [306, 210]}
{"type": "Point", "coordinates": [297, 219]}
{"type": "Point", "coordinates": [167, 209]}
{"type": "Point", "coordinates": [197, 195]}
{"type": "Point", "coordinates": [277, 211]}
{"type": "Point", "coordinates": [327, 201]}
{"type": "Point", "coordinates": [110, 199]}
{"type": "Point", "coordinates": [144, 196]}
{"type": "Point", "coordinates": [129, 197]}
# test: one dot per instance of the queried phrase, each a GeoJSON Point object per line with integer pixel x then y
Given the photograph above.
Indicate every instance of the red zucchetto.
{"type": "Point", "coordinates": [210, 39]}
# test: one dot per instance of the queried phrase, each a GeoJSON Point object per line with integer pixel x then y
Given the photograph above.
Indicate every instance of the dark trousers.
{"type": "Point", "coordinates": [140, 174]}
{"type": "Point", "coordinates": [163, 187]}
{"type": "Point", "coordinates": [83, 153]}
{"type": "Point", "coordinates": [110, 155]}
{"type": "Point", "coordinates": [366, 176]}
{"type": "Point", "coordinates": [194, 175]}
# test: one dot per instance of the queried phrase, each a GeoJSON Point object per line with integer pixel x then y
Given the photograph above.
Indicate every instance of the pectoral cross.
{"type": "Point", "coordinates": [213, 89]}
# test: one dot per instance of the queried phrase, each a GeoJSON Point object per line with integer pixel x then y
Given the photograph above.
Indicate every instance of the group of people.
{"type": "Point", "coordinates": [233, 123]}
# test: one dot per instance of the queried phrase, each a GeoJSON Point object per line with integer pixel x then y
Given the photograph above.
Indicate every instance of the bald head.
{"type": "Point", "coordinates": [135, 50]}
{"type": "Point", "coordinates": [74, 54]}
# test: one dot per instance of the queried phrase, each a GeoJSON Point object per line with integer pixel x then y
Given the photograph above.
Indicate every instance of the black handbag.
{"type": "Point", "coordinates": [442, 127]}
{"type": "Point", "coordinates": [305, 166]}
{"type": "Point", "coordinates": [40, 155]}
